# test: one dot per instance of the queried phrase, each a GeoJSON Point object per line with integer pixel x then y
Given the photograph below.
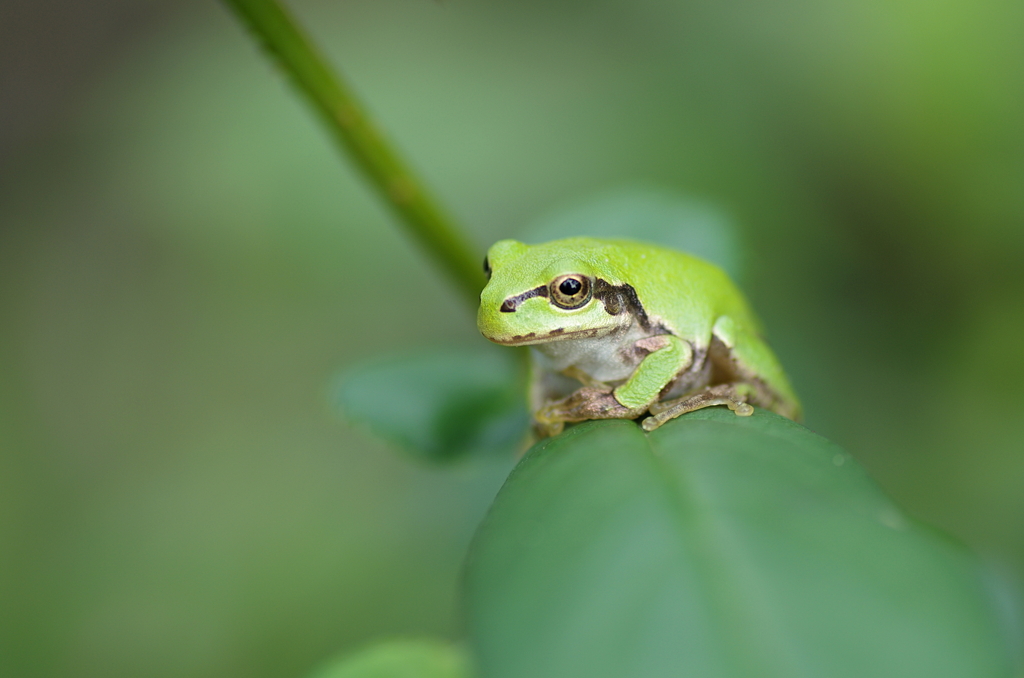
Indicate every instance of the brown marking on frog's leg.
{"type": "Point", "coordinates": [726, 369]}
{"type": "Point", "coordinates": [586, 403]}
{"type": "Point", "coordinates": [734, 396]}
{"type": "Point", "coordinates": [724, 366]}
{"type": "Point", "coordinates": [635, 353]}
{"type": "Point", "coordinates": [652, 344]}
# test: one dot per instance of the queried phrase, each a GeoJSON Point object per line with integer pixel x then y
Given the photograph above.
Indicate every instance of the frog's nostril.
{"type": "Point", "coordinates": [508, 306]}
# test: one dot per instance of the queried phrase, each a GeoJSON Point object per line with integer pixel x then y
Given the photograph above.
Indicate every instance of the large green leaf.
{"type": "Point", "coordinates": [401, 659]}
{"type": "Point", "coordinates": [717, 546]}
{"type": "Point", "coordinates": [439, 405]}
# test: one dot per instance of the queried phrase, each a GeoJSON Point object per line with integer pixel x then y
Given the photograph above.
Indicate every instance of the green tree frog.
{"type": "Point", "coordinates": [621, 329]}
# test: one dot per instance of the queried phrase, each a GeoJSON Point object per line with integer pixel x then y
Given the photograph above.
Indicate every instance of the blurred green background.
{"type": "Point", "coordinates": [185, 263]}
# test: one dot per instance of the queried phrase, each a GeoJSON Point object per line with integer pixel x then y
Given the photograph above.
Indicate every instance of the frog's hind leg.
{"type": "Point", "coordinates": [731, 379]}
{"type": "Point", "coordinates": [739, 356]}
{"type": "Point", "coordinates": [733, 395]}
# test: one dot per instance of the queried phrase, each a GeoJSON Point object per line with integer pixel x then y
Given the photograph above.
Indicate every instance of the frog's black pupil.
{"type": "Point", "coordinates": [570, 286]}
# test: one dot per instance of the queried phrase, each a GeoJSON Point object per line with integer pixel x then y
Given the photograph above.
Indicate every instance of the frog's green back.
{"type": "Point", "coordinates": [685, 293]}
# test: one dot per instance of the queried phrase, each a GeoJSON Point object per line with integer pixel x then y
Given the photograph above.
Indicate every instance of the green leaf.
{"type": "Point", "coordinates": [648, 214]}
{"type": "Point", "coordinates": [721, 547]}
{"type": "Point", "coordinates": [439, 405]}
{"type": "Point", "coordinates": [401, 659]}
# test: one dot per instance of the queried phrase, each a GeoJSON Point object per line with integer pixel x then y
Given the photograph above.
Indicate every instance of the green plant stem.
{"type": "Point", "coordinates": [357, 135]}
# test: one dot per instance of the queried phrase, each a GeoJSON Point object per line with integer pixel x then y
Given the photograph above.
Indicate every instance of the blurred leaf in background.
{"type": "Point", "coordinates": [184, 263]}
{"type": "Point", "coordinates": [440, 405]}
{"type": "Point", "coordinates": [400, 659]}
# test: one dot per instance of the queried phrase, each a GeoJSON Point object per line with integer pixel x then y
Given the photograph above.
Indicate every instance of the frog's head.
{"type": "Point", "coordinates": [560, 290]}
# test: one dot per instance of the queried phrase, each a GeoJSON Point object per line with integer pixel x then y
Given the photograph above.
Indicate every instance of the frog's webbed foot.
{"type": "Point", "coordinates": [585, 403]}
{"type": "Point", "coordinates": [732, 395]}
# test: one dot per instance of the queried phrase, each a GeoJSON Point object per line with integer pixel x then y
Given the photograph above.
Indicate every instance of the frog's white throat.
{"type": "Point", "coordinates": [608, 357]}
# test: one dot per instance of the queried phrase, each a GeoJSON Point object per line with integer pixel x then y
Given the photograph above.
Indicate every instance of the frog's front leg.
{"type": "Point", "coordinates": [586, 403]}
{"type": "Point", "coordinates": [667, 357]}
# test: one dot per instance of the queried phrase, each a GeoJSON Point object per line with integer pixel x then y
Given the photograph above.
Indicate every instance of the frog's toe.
{"type": "Point", "coordinates": [651, 423]}
{"type": "Point", "coordinates": [741, 409]}
{"type": "Point", "coordinates": [548, 429]}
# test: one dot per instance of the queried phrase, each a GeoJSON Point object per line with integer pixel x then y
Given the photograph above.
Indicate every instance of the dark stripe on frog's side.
{"type": "Point", "coordinates": [510, 304]}
{"type": "Point", "coordinates": [619, 298]}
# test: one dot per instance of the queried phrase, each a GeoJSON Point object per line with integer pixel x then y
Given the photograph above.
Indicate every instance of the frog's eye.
{"type": "Point", "coordinates": [570, 291]}
{"type": "Point", "coordinates": [487, 268]}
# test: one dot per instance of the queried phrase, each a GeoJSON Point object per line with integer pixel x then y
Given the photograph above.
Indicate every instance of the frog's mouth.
{"type": "Point", "coordinates": [557, 334]}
